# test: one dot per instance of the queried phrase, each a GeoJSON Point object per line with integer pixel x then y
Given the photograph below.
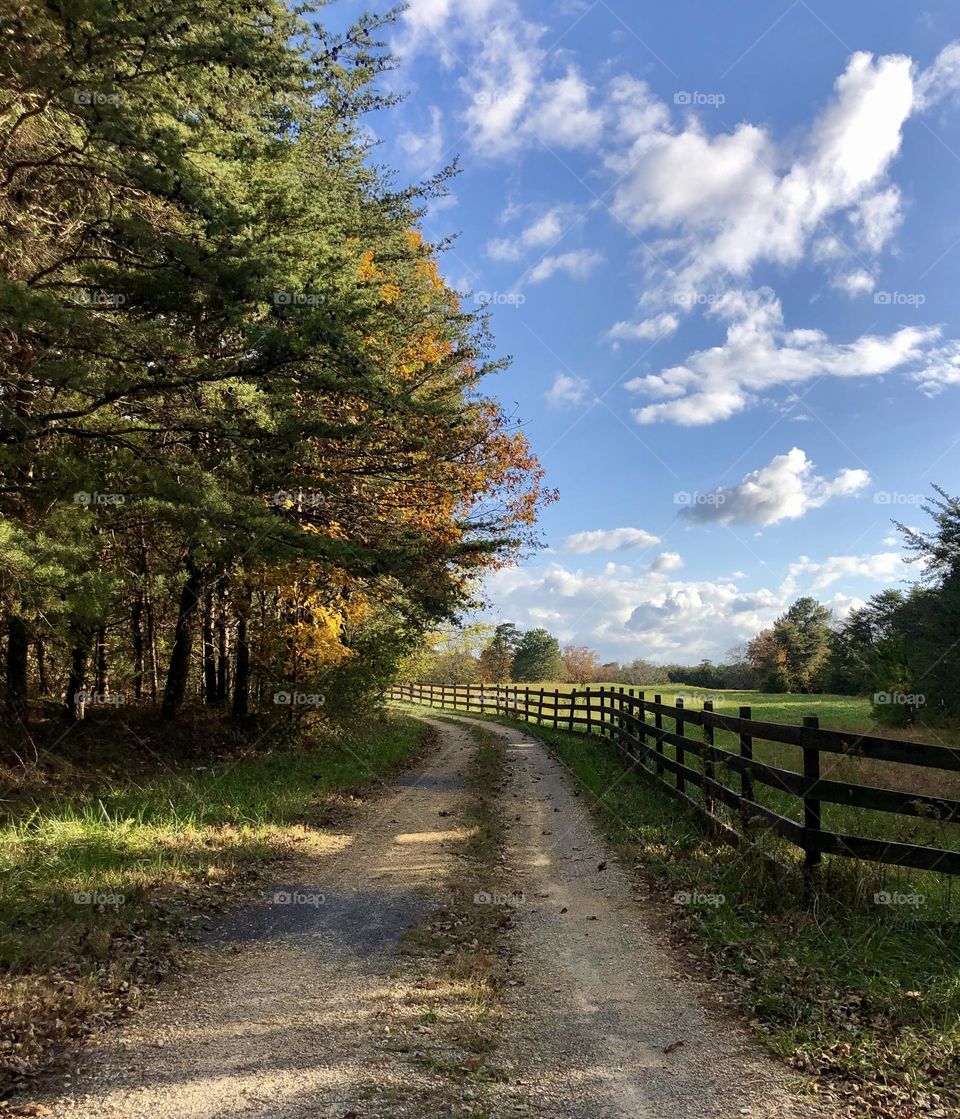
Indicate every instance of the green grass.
{"type": "Point", "coordinates": [98, 883]}
{"type": "Point", "coordinates": [848, 713]}
{"type": "Point", "coordinates": [854, 991]}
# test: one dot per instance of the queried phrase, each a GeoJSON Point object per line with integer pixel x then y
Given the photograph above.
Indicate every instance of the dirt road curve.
{"type": "Point", "coordinates": [290, 1010]}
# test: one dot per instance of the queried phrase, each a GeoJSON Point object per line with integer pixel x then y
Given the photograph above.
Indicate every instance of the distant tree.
{"type": "Point", "coordinates": [496, 659]}
{"type": "Point", "coordinates": [804, 634]}
{"type": "Point", "coordinates": [792, 656]}
{"type": "Point", "coordinates": [580, 664]}
{"type": "Point", "coordinates": [537, 657]}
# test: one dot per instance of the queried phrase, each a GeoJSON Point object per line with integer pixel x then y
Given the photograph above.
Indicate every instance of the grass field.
{"type": "Point", "coordinates": [103, 871]}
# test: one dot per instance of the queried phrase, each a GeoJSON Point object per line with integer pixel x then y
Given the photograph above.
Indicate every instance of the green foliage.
{"type": "Point", "coordinates": [537, 657]}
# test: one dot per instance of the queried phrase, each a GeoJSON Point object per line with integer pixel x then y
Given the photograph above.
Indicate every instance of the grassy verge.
{"type": "Point", "coordinates": [865, 996]}
{"type": "Point", "coordinates": [454, 1006]}
{"type": "Point", "coordinates": [104, 874]}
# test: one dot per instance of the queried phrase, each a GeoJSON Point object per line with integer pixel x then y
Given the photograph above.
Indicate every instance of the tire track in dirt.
{"type": "Point", "coordinates": [602, 1006]}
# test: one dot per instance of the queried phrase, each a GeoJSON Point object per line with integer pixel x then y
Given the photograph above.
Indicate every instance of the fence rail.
{"type": "Point", "coordinates": [621, 716]}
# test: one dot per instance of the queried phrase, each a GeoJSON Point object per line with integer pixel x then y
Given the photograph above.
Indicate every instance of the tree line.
{"type": "Point", "coordinates": [901, 648]}
{"type": "Point", "coordinates": [246, 449]}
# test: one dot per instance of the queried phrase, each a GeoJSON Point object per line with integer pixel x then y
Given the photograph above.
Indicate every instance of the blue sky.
{"type": "Point", "coordinates": [721, 243]}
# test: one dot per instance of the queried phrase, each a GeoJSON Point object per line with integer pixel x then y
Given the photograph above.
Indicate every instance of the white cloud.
{"type": "Point", "coordinates": [784, 489]}
{"type": "Point", "coordinates": [609, 540]}
{"type": "Point", "coordinates": [545, 230]}
{"type": "Point", "coordinates": [855, 283]}
{"type": "Point", "coordinates": [658, 326]}
{"type": "Point", "coordinates": [759, 353]}
{"type": "Point", "coordinates": [425, 148]}
{"type": "Point", "coordinates": [513, 96]}
{"type": "Point", "coordinates": [626, 613]}
{"type": "Point", "coordinates": [666, 561]}
{"type": "Point", "coordinates": [578, 263]}
{"type": "Point", "coordinates": [733, 200]}
{"type": "Point", "coordinates": [939, 80]}
{"type": "Point", "coordinates": [881, 567]}
{"type": "Point", "coordinates": [941, 369]}
{"type": "Point", "coordinates": [567, 391]}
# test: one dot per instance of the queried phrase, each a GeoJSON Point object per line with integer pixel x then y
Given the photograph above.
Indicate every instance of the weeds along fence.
{"type": "Point", "coordinates": [803, 784]}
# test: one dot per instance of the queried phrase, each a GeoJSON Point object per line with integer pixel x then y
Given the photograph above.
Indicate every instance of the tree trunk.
{"type": "Point", "coordinates": [209, 654]}
{"type": "Point", "coordinates": [136, 632]}
{"type": "Point", "coordinates": [43, 680]}
{"type": "Point", "coordinates": [179, 668]}
{"type": "Point", "coordinates": [18, 646]}
{"type": "Point", "coordinates": [152, 658]}
{"type": "Point", "coordinates": [75, 701]}
{"type": "Point", "coordinates": [223, 654]}
{"type": "Point", "coordinates": [241, 676]}
{"type": "Point", "coordinates": [102, 686]}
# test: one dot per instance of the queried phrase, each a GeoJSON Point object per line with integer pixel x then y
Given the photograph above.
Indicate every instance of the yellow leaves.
{"type": "Point", "coordinates": [368, 271]}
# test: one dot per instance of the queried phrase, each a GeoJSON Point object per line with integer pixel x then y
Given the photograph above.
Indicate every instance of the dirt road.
{"type": "Point", "coordinates": [304, 1005]}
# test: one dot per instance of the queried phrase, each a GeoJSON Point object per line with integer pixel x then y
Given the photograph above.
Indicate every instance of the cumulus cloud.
{"type": "Point", "coordinates": [658, 326]}
{"type": "Point", "coordinates": [626, 613]}
{"type": "Point", "coordinates": [732, 200]}
{"type": "Point", "coordinates": [567, 391]}
{"type": "Point", "coordinates": [578, 264]}
{"type": "Point", "coordinates": [784, 489]}
{"type": "Point", "coordinates": [760, 353]}
{"type": "Point", "coordinates": [609, 540]}
{"type": "Point", "coordinates": [666, 561]}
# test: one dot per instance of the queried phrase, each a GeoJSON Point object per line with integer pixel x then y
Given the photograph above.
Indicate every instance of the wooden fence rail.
{"type": "Point", "coordinates": [620, 716]}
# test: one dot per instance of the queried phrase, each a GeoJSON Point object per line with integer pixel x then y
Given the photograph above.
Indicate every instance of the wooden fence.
{"type": "Point", "coordinates": [621, 716]}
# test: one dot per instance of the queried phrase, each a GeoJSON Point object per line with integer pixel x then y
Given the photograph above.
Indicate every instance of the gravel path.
{"type": "Point", "coordinates": [285, 1012]}
{"type": "Point", "coordinates": [602, 1000]}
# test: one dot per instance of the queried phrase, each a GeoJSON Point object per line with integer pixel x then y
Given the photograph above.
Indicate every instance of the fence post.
{"type": "Point", "coordinates": [573, 704]}
{"type": "Point", "coordinates": [680, 755]}
{"type": "Point", "coordinates": [811, 803]}
{"type": "Point", "coordinates": [709, 770]}
{"type": "Point", "coordinates": [589, 716]}
{"type": "Point", "coordinates": [746, 777]}
{"type": "Point", "coordinates": [658, 725]}
{"type": "Point", "coordinates": [526, 704]}
{"type": "Point", "coordinates": [641, 723]}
